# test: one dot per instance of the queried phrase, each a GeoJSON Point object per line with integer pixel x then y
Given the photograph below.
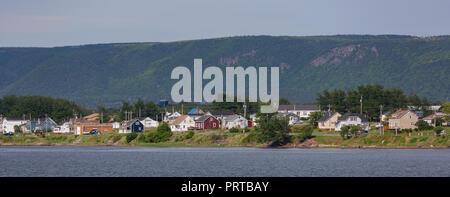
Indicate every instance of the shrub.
{"type": "Point", "coordinates": [131, 136]}
{"type": "Point", "coordinates": [189, 135]}
{"type": "Point", "coordinates": [354, 130]}
{"type": "Point", "coordinates": [234, 130]}
{"type": "Point", "coordinates": [422, 125]}
{"type": "Point", "coordinates": [438, 130]}
{"type": "Point", "coordinates": [305, 132]}
{"type": "Point", "coordinates": [162, 134]}
{"type": "Point", "coordinates": [141, 138]}
{"type": "Point", "coordinates": [274, 130]}
{"type": "Point", "coordinates": [345, 130]}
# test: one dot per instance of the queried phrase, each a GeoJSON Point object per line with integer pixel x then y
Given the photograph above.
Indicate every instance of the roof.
{"type": "Point", "coordinates": [284, 114]}
{"type": "Point", "coordinates": [298, 107]}
{"type": "Point", "coordinates": [180, 119]}
{"type": "Point", "coordinates": [222, 113]}
{"type": "Point", "coordinates": [327, 116]}
{"type": "Point", "coordinates": [398, 114]}
{"type": "Point", "coordinates": [94, 115]}
{"type": "Point", "coordinates": [203, 118]}
{"type": "Point", "coordinates": [130, 122]}
{"type": "Point", "coordinates": [14, 119]}
{"type": "Point", "coordinates": [234, 117]}
{"type": "Point", "coordinates": [142, 119]}
{"type": "Point", "coordinates": [433, 116]}
{"type": "Point", "coordinates": [348, 114]}
{"type": "Point", "coordinates": [196, 110]}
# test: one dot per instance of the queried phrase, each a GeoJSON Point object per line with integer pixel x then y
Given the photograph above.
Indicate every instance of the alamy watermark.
{"type": "Point", "coordinates": [182, 92]}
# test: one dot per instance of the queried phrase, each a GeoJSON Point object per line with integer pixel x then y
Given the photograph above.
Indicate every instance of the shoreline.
{"type": "Point", "coordinates": [320, 140]}
{"type": "Point", "coordinates": [288, 146]}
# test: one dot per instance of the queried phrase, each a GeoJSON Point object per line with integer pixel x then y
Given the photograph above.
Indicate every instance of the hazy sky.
{"type": "Point", "coordinates": [64, 22]}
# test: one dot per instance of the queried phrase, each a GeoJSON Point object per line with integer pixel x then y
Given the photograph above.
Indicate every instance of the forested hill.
{"type": "Point", "coordinates": [109, 73]}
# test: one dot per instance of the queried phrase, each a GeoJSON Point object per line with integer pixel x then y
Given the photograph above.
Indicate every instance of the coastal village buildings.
{"type": "Point", "coordinates": [92, 117]}
{"type": "Point", "coordinates": [148, 122]}
{"type": "Point", "coordinates": [116, 125]}
{"type": "Point", "coordinates": [63, 128]}
{"type": "Point", "coordinates": [403, 119]}
{"type": "Point", "coordinates": [293, 118]}
{"type": "Point", "coordinates": [84, 127]}
{"type": "Point", "coordinates": [207, 122]}
{"type": "Point", "coordinates": [8, 124]}
{"type": "Point", "coordinates": [183, 123]}
{"type": "Point", "coordinates": [196, 111]}
{"type": "Point", "coordinates": [170, 117]}
{"type": "Point", "coordinates": [352, 119]}
{"type": "Point", "coordinates": [302, 111]}
{"type": "Point", "coordinates": [429, 119]}
{"type": "Point", "coordinates": [39, 124]}
{"type": "Point", "coordinates": [235, 121]}
{"type": "Point", "coordinates": [220, 115]}
{"type": "Point", "coordinates": [328, 121]}
{"type": "Point", "coordinates": [134, 125]}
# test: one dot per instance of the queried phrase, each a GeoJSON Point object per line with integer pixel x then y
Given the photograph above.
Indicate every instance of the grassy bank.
{"type": "Point", "coordinates": [321, 139]}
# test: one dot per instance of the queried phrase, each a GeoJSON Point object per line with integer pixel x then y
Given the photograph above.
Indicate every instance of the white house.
{"type": "Point", "coordinates": [1, 123]}
{"type": "Point", "coordinates": [170, 117]}
{"type": "Point", "coordinates": [183, 123]}
{"type": "Point", "coordinates": [235, 121]}
{"type": "Point", "coordinates": [8, 124]}
{"type": "Point", "coordinates": [293, 118]}
{"type": "Point", "coordinates": [116, 125]}
{"type": "Point", "coordinates": [429, 119]}
{"type": "Point", "coordinates": [148, 122]}
{"type": "Point", "coordinates": [352, 119]}
{"type": "Point", "coordinates": [64, 128]}
{"type": "Point", "coordinates": [302, 111]}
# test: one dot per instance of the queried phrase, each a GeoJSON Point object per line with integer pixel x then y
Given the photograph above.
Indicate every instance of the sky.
{"type": "Point", "coordinates": [49, 23]}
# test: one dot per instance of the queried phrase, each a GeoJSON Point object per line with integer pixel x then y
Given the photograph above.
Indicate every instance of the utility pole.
{"type": "Point", "coordinates": [381, 118]}
{"type": "Point", "coordinates": [245, 110]}
{"type": "Point", "coordinates": [101, 124]}
{"type": "Point", "coordinates": [360, 101]}
{"type": "Point", "coordinates": [434, 117]}
{"type": "Point", "coordinates": [46, 117]}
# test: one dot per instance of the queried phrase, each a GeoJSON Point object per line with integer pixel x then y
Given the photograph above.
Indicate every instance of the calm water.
{"type": "Point", "coordinates": [143, 161]}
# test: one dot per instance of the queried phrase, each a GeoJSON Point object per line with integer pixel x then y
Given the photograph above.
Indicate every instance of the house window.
{"type": "Point", "coordinates": [214, 124]}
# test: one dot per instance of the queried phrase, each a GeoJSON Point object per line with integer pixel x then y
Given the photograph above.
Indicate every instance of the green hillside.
{"type": "Point", "coordinates": [109, 73]}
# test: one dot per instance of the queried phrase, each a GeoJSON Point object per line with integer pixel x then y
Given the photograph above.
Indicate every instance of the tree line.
{"type": "Point", "coordinates": [33, 107]}
{"type": "Point", "coordinates": [374, 98]}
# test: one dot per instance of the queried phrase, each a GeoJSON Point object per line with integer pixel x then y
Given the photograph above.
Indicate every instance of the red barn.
{"type": "Point", "coordinates": [206, 122]}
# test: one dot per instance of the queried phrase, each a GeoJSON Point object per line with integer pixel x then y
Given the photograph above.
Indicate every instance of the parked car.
{"type": "Point", "coordinates": [95, 132]}
{"type": "Point", "coordinates": [8, 134]}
